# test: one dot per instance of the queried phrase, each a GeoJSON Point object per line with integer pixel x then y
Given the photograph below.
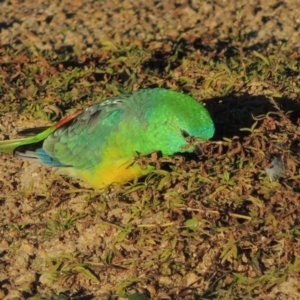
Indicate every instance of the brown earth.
{"type": "Point", "coordinates": [87, 24]}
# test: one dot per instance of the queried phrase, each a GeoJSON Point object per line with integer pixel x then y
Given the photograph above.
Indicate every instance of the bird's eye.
{"type": "Point", "coordinates": [184, 134]}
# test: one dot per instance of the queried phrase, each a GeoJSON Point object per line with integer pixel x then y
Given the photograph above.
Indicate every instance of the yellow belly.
{"type": "Point", "coordinates": [110, 173]}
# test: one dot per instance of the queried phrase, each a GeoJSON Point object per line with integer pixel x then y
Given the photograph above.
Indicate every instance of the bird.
{"type": "Point", "coordinates": [99, 145]}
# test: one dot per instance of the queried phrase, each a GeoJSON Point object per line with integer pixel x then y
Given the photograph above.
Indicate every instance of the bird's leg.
{"type": "Point", "coordinates": [155, 159]}
{"type": "Point", "coordinates": [146, 159]}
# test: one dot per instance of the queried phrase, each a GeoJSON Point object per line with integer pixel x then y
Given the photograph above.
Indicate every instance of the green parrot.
{"type": "Point", "coordinates": [100, 144]}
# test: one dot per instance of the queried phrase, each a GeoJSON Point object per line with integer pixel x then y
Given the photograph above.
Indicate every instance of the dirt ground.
{"type": "Point", "coordinates": [58, 238]}
{"type": "Point", "coordinates": [87, 24]}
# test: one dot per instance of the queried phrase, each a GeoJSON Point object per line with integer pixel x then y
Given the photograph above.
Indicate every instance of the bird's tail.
{"type": "Point", "coordinates": [9, 146]}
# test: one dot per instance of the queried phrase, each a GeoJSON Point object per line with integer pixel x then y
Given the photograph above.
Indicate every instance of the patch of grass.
{"type": "Point", "coordinates": [209, 225]}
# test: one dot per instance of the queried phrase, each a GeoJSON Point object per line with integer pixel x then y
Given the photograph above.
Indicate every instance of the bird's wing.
{"type": "Point", "coordinates": [80, 141]}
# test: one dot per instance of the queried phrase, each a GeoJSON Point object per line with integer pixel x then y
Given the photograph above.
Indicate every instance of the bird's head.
{"type": "Point", "coordinates": [183, 120]}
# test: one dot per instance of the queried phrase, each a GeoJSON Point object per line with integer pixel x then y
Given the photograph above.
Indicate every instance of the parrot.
{"type": "Point", "coordinates": [99, 145]}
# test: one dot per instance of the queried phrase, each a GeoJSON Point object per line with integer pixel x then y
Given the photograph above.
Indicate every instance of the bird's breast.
{"type": "Point", "coordinates": [111, 172]}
